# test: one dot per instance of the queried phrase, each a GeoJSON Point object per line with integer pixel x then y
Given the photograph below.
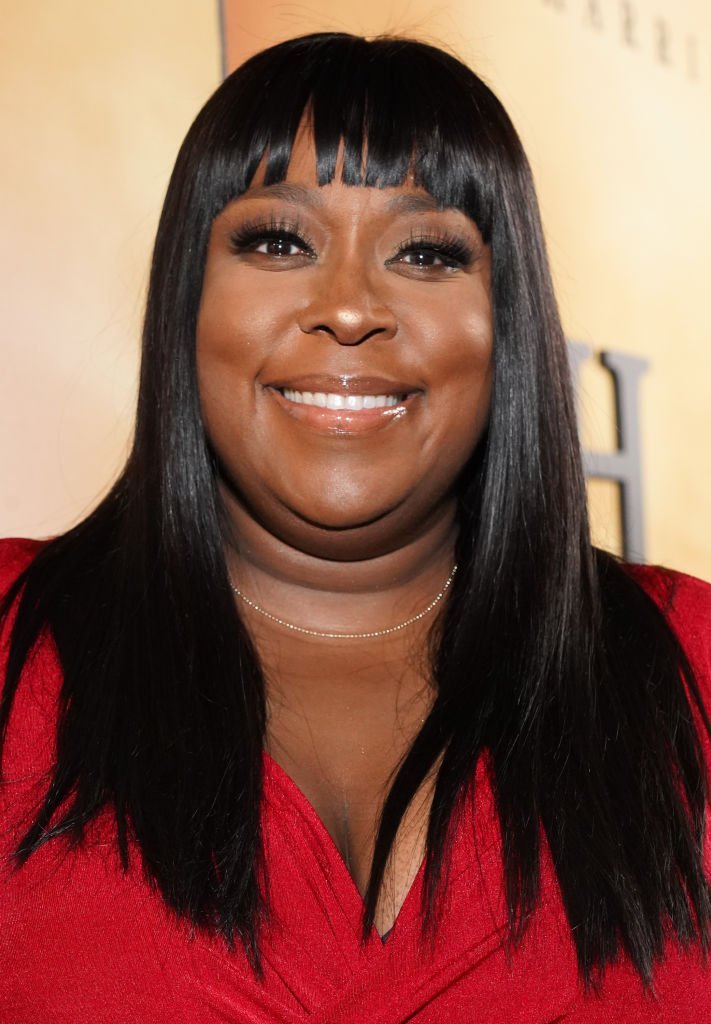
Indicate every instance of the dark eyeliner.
{"type": "Point", "coordinates": [452, 250]}
{"type": "Point", "coordinates": [449, 247]}
{"type": "Point", "coordinates": [252, 233]}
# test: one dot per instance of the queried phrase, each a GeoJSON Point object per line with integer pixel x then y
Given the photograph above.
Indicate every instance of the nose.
{"type": "Point", "coordinates": [347, 306]}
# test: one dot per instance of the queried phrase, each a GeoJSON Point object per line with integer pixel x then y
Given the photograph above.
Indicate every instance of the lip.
{"type": "Point", "coordinates": [345, 422]}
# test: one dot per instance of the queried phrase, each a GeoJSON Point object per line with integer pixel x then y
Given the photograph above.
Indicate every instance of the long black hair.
{"type": "Point", "coordinates": [548, 659]}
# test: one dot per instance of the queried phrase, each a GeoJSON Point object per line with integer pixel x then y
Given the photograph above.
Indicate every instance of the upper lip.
{"type": "Point", "coordinates": [345, 384]}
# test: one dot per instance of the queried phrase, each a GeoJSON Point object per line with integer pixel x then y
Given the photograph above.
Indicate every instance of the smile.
{"type": "Point", "coordinates": [333, 400]}
{"type": "Point", "coordinates": [345, 406]}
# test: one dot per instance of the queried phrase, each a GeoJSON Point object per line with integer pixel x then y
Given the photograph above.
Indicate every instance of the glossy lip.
{"type": "Point", "coordinates": [345, 422]}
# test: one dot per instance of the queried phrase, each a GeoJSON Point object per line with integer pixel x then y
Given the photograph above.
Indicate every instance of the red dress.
{"type": "Point", "coordinates": [83, 943]}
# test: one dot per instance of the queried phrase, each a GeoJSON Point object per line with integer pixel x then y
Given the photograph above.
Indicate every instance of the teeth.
{"type": "Point", "coordinates": [353, 403]}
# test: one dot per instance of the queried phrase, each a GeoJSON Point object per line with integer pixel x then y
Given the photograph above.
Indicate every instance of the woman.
{"type": "Point", "coordinates": [330, 709]}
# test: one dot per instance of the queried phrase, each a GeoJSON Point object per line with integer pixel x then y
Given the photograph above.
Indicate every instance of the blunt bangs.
{"type": "Point", "coordinates": [391, 107]}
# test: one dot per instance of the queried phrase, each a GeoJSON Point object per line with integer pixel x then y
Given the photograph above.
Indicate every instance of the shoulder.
{"type": "Point", "coordinates": [16, 553]}
{"type": "Point", "coordinates": [27, 746]}
{"type": "Point", "coordinates": [685, 601]}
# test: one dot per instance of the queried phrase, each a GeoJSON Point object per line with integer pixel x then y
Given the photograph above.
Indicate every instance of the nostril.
{"type": "Point", "coordinates": [345, 337]}
{"type": "Point", "coordinates": [349, 326]}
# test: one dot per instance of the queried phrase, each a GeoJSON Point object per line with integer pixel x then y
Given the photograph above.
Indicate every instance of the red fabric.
{"type": "Point", "coordinates": [81, 942]}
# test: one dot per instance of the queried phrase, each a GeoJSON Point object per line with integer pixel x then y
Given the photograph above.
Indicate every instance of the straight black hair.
{"type": "Point", "coordinates": [549, 659]}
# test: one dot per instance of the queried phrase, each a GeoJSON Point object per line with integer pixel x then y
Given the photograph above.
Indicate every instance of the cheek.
{"type": "Point", "coordinates": [460, 358]}
{"type": "Point", "coordinates": [234, 337]}
{"type": "Point", "coordinates": [242, 317]}
{"type": "Point", "coordinates": [455, 323]}
{"type": "Point", "coordinates": [460, 406]}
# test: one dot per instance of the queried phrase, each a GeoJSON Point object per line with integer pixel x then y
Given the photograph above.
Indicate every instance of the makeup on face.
{"type": "Point", "coordinates": [344, 350]}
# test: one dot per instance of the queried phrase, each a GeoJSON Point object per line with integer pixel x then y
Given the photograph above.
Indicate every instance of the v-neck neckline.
{"type": "Point", "coordinates": [409, 911]}
{"type": "Point", "coordinates": [319, 935]}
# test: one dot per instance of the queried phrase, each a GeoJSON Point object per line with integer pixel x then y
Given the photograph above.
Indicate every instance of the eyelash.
{"type": "Point", "coordinates": [452, 250]}
{"type": "Point", "coordinates": [247, 237]}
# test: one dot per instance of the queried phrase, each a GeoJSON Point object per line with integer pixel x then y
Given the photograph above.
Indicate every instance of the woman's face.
{"type": "Point", "coordinates": [344, 350]}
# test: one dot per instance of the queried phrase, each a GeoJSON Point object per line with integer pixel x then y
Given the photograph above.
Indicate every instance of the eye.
{"type": "Point", "coordinates": [276, 241]}
{"type": "Point", "coordinates": [280, 245]}
{"type": "Point", "coordinates": [433, 253]}
{"type": "Point", "coordinates": [423, 258]}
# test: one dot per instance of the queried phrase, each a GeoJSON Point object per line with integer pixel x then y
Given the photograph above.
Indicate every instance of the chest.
{"type": "Point", "coordinates": [340, 722]}
{"type": "Point", "coordinates": [343, 767]}
{"type": "Point", "coordinates": [350, 815]}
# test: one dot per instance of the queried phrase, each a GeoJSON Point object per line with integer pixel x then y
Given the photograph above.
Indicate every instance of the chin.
{"type": "Point", "coordinates": [337, 519]}
{"type": "Point", "coordinates": [342, 544]}
{"type": "Point", "coordinates": [356, 533]}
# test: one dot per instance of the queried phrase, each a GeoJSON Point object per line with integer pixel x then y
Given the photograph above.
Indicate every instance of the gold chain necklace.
{"type": "Point", "coordinates": [350, 636]}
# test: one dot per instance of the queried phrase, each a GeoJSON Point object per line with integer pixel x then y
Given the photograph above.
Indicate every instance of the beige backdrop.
{"type": "Point", "coordinates": [95, 99]}
{"type": "Point", "coordinates": [612, 98]}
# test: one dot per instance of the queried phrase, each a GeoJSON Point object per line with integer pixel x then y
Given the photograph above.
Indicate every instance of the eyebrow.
{"type": "Point", "coordinates": [296, 194]}
{"type": "Point", "coordinates": [414, 204]}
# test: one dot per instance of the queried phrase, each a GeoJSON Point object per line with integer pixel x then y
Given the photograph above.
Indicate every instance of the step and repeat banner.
{"type": "Point", "coordinates": [613, 101]}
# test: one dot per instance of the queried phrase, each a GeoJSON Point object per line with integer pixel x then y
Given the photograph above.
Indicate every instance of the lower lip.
{"type": "Point", "coordinates": [344, 421]}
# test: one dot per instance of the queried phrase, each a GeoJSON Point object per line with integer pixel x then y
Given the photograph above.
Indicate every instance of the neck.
{"type": "Point", "coordinates": [344, 595]}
